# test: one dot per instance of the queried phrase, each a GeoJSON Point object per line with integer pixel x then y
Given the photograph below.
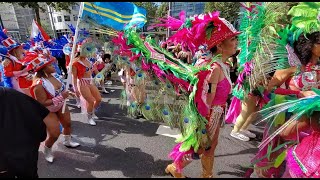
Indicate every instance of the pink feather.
{"type": "Point", "coordinates": [182, 16]}
{"type": "Point", "coordinates": [121, 42]}
{"type": "Point", "coordinates": [179, 82]}
{"type": "Point", "coordinates": [135, 57]}
{"type": "Point", "coordinates": [170, 22]}
{"type": "Point", "coordinates": [178, 156]}
{"type": "Point", "coordinates": [145, 66]}
{"type": "Point", "coordinates": [234, 111]}
{"type": "Point", "coordinates": [293, 166]}
{"type": "Point", "coordinates": [201, 105]}
{"type": "Point", "coordinates": [160, 74]}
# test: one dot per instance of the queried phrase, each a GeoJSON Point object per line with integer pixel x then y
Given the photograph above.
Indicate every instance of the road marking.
{"type": "Point", "coordinates": [167, 131]}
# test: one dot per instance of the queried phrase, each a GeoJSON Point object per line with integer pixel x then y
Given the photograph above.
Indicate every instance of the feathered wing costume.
{"type": "Point", "coordinates": [281, 111]}
{"type": "Point", "coordinates": [175, 80]}
{"type": "Point", "coordinates": [257, 22]}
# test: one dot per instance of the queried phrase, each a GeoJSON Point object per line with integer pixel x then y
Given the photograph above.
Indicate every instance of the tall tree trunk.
{"type": "Point", "coordinates": [37, 11]}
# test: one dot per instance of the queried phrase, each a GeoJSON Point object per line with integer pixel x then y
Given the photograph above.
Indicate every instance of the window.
{"type": "Point", "coordinates": [75, 18]}
{"type": "Point", "coordinates": [199, 7]}
{"type": "Point", "coordinates": [59, 18]}
{"type": "Point", "coordinates": [76, 8]}
{"type": "Point", "coordinates": [67, 18]}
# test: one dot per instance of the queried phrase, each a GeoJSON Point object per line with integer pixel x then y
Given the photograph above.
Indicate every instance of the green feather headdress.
{"type": "Point", "coordinates": [306, 15]}
{"type": "Point", "coordinates": [256, 42]}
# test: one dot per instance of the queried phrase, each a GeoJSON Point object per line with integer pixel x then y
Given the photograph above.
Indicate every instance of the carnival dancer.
{"type": "Point", "coordinates": [250, 91]}
{"type": "Point", "coordinates": [223, 42]}
{"type": "Point", "coordinates": [103, 66]}
{"type": "Point", "coordinates": [303, 158]}
{"type": "Point", "coordinates": [49, 90]}
{"type": "Point", "coordinates": [15, 73]}
{"type": "Point", "coordinates": [302, 122]}
{"type": "Point", "coordinates": [83, 84]}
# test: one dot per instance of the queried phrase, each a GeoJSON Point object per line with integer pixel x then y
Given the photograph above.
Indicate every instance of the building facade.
{"type": "Point", "coordinates": [191, 8]}
{"type": "Point", "coordinates": [9, 20]}
{"type": "Point", "coordinates": [61, 19]}
{"type": "Point", "coordinates": [18, 20]}
{"type": "Point", "coordinates": [25, 17]}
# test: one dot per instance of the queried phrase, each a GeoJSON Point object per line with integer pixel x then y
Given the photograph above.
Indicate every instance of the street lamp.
{"type": "Point", "coordinates": [52, 22]}
{"type": "Point", "coordinates": [169, 14]}
{"type": "Point", "coordinates": [1, 22]}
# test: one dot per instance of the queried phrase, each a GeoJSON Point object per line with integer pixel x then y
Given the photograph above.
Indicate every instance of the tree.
{"type": "Point", "coordinates": [58, 6]}
{"type": "Point", "coordinates": [287, 19]}
{"type": "Point", "coordinates": [162, 10]}
{"type": "Point", "coordinates": [228, 10]}
{"type": "Point", "coordinates": [47, 28]}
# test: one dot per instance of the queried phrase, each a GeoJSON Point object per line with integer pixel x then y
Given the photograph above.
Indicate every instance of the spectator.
{"type": "Point", "coordinates": [22, 129]}
{"type": "Point", "coordinates": [61, 63]}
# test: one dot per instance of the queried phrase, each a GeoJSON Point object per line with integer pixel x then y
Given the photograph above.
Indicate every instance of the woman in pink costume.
{"type": "Point", "coordinates": [223, 42]}
{"type": "Point", "coordinates": [302, 158]}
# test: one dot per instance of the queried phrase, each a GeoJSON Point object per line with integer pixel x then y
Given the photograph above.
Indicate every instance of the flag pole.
{"type": "Point", "coordinates": [72, 52]}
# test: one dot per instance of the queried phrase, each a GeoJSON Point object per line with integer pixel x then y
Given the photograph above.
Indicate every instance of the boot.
{"type": "Point", "coordinates": [94, 116]}
{"type": "Point", "coordinates": [171, 168]}
{"type": "Point", "coordinates": [104, 90]}
{"type": "Point", "coordinates": [48, 154]}
{"type": "Point", "coordinates": [207, 166]}
{"type": "Point", "coordinates": [91, 120]}
{"type": "Point", "coordinates": [68, 142]}
{"type": "Point", "coordinates": [78, 103]}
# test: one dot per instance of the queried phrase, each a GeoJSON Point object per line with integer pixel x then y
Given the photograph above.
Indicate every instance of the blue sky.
{"type": "Point", "coordinates": [158, 3]}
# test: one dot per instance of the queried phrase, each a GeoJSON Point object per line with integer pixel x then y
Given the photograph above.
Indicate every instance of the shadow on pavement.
{"type": "Point", "coordinates": [239, 172]}
{"type": "Point", "coordinates": [132, 162]}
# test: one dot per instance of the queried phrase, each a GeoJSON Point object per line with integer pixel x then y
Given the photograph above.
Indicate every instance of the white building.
{"type": "Point", "coordinates": [18, 20]}
{"type": "Point", "coordinates": [61, 19]}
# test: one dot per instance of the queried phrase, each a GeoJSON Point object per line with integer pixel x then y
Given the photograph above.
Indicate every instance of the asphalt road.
{"type": "Point", "coordinates": [122, 147]}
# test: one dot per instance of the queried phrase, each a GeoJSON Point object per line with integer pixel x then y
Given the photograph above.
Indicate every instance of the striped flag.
{"type": "Point", "coordinates": [36, 29]}
{"type": "Point", "coordinates": [116, 15]}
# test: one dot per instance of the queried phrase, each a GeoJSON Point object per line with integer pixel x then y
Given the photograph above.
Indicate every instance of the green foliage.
{"type": "Point", "coordinates": [150, 7]}
{"type": "Point", "coordinates": [162, 10]}
{"type": "Point", "coordinates": [58, 6]}
{"type": "Point", "coordinates": [228, 10]}
{"type": "Point", "coordinates": [305, 16]}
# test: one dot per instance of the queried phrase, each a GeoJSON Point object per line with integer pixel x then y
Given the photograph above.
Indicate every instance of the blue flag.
{"type": "Point", "coordinates": [117, 15]}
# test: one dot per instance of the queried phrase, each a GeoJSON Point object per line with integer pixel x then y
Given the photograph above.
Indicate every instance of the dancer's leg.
{"type": "Point", "coordinates": [65, 120]}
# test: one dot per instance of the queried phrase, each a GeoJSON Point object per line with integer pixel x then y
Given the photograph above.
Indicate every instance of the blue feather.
{"type": "Point", "coordinates": [3, 36]}
{"type": "Point", "coordinates": [72, 29]}
{"type": "Point", "coordinates": [6, 80]}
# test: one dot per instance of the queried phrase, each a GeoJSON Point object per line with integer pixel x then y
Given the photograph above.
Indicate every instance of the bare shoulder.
{"type": "Point", "coordinates": [75, 61]}
{"type": "Point", "coordinates": [37, 85]}
{"type": "Point", "coordinates": [216, 67]}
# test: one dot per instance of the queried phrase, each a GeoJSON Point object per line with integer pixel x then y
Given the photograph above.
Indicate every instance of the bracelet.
{"type": "Point", "coordinates": [75, 88]}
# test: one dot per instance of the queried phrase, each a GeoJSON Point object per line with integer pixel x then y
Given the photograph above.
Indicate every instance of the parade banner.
{"type": "Point", "coordinates": [117, 15]}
